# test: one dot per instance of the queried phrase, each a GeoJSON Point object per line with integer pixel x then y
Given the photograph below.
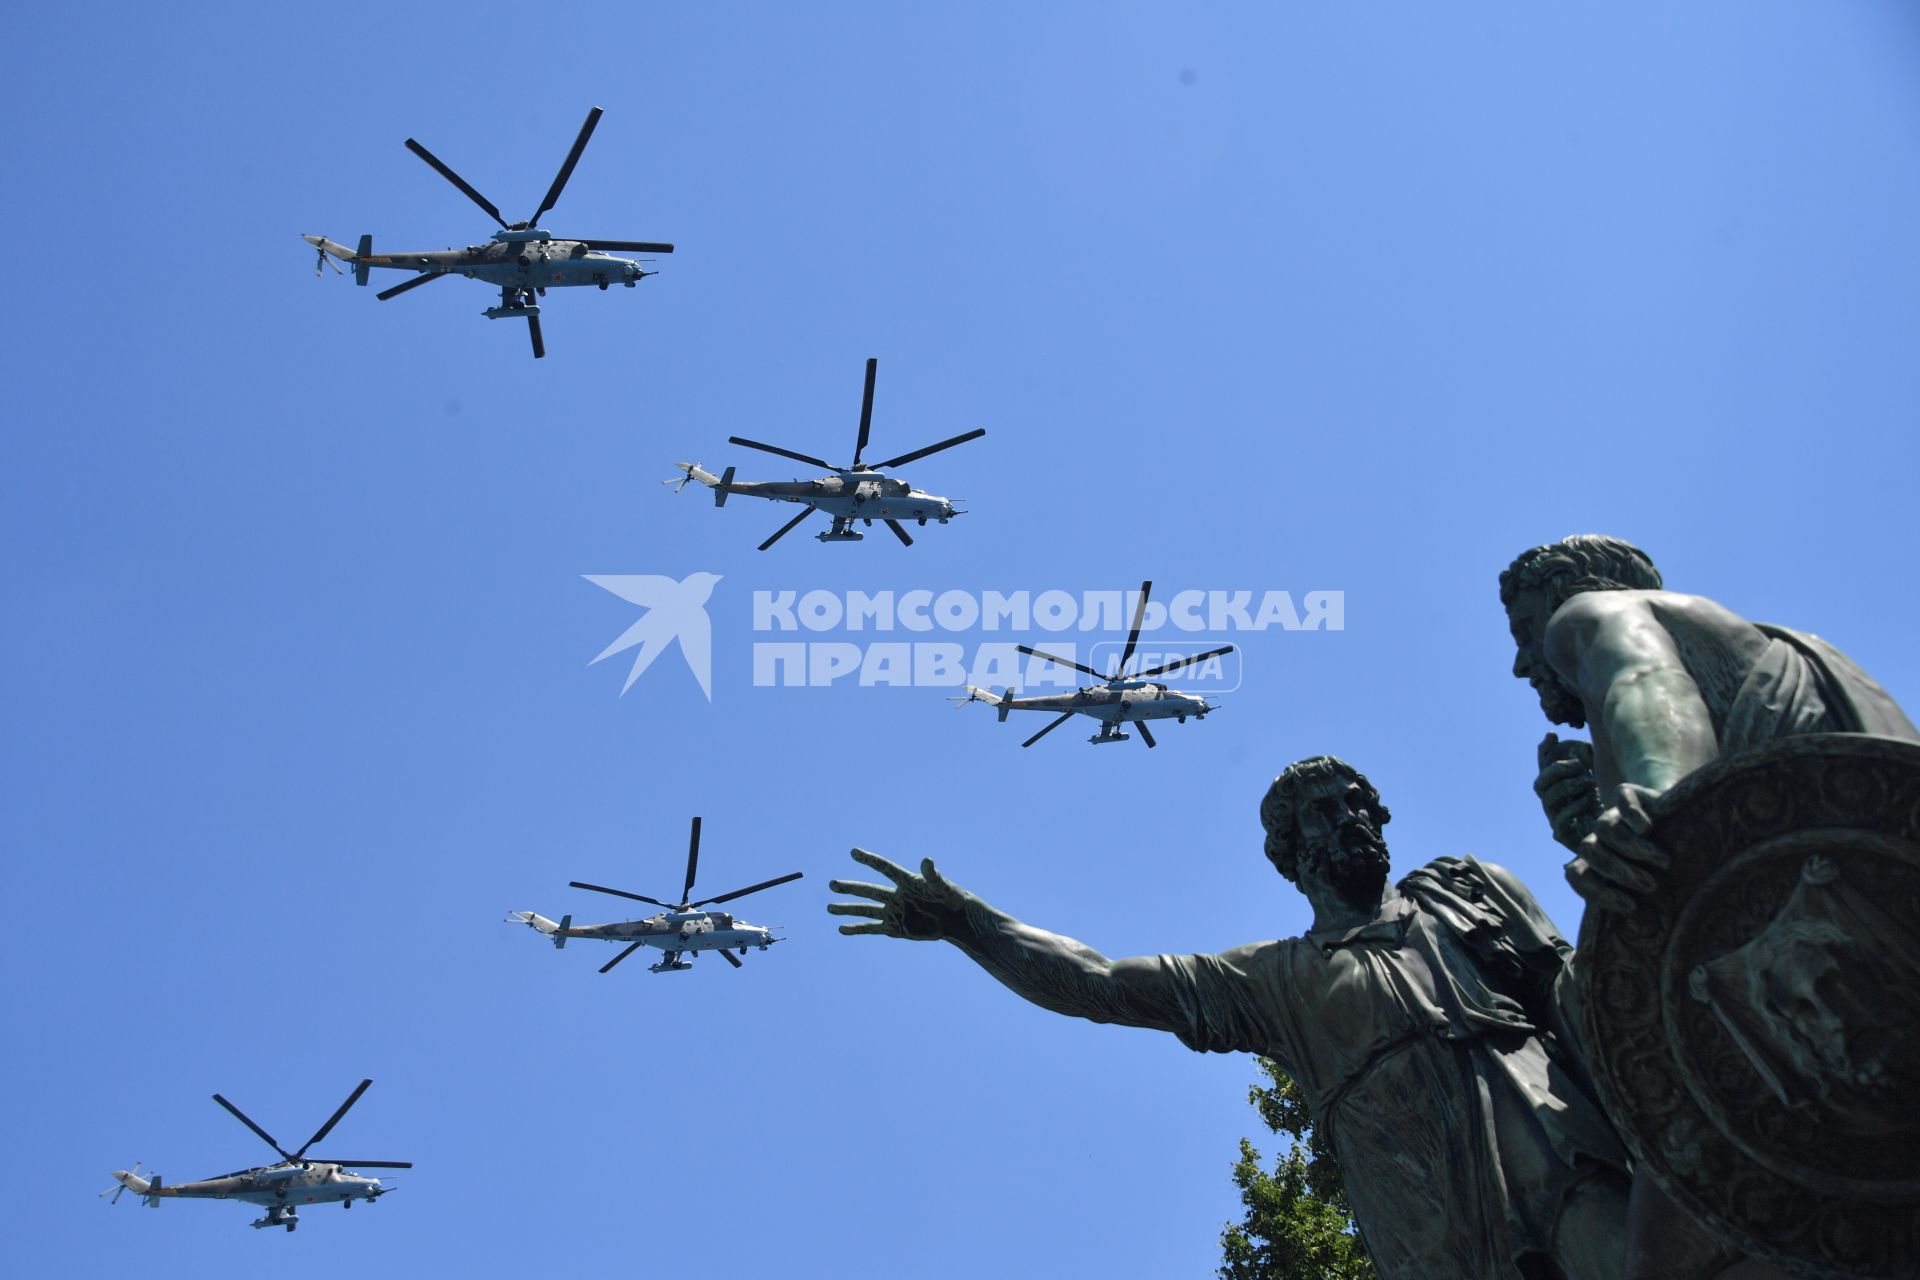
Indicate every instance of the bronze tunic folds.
{"type": "Point", "coordinates": [1433, 1048]}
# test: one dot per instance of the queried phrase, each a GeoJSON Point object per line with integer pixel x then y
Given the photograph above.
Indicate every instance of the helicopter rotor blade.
{"type": "Point", "coordinates": [693, 860]}
{"type": "Point", "coordinates": [1133, 634]}
{"type": "Point", "coordinates": [898, 532]}
{"type": "Point", "coordinates": [1145, 735]}
{"type": "Point", "coordinates": [1064, 717]}
{"type": "Point", "coordinates": [365, 1164]}
{"type": "Point", "coordinates": [784, 529]}
{"type": "Point", "coordinates": [974, 434]}
{"type": "Point", "coordinates": [866, 414]}
{"type": "Point", "coordinates": [629, 246]}
{"type": "Point", "coordinates": [334, 1119]}
{"type": "Point", "coordinates": [730, 958]}
{"type": "Point", "coordinates": [566, 170]}
{"type": "Point", "coordinates": [618, 893]}
{"type": "Point", "coordinates": [533, 331]}
{"type": "Point", "coordinates": [405, 285]}
{"type": "Point", "coordinates": [741, 893]}
{"type": "Point", "coordinates": [1035, 653]}
{"type": "Point", "coordinates": [807, 458]}
{"type": "Point", "coordinates": [622, 956]}
{"type": "Point", "coordinates": [241, 1116]}
{"type": "Point", "coordinates": [1178, 663]}
{"type": "Point", "coordinates": [456, 180]}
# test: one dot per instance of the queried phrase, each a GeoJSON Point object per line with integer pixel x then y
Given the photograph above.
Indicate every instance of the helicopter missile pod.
{"type": "Point", "coordinates": [523, 260]}
{"type": "Point", "coordinates": [682, 929]}
{"type": "Point", "coordinates": [280, 1188]}
{"type": "Point", "coordinates": [853, 492]}
{"type": "Point", "coordinates": [1118, 700]}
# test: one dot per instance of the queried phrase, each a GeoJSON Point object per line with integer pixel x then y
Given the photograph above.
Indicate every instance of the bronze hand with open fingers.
{"type": "Point", "coordinates": [923, 906]}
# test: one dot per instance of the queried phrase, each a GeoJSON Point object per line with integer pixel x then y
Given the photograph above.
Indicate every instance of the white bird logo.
{"type": "Point", "coordinates": [674, 611]}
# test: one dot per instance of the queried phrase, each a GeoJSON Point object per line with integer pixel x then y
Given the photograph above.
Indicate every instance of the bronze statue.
{"type": "Point", "coordinates": [1424, 1020]}
{"type": "Point", "coordinates": [1748, 962]}
{"type": "Point", "coordinates": [1667, 682]}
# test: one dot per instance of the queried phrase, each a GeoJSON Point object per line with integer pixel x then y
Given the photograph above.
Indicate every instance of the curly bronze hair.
{"type": "Point", "coordinates": [1584, 562]}
{"type": "Point", "coordinates": [1277, 807]}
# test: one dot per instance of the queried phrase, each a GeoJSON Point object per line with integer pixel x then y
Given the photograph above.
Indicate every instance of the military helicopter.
{"type": "Point", "coordinates": [853, 492]}
{"type": "Point", "coordinates": [1119, 698]}
{"type": "Point", "coordinates": [523, 259]}
{"type": "Point", "coordinates": [281, 1187]}
{"type": "Point", "coordinates": [682, 928]}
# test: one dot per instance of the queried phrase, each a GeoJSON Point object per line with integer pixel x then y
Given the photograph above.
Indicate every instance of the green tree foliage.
{"type": "Point", "coordinates": [1298, 1224]}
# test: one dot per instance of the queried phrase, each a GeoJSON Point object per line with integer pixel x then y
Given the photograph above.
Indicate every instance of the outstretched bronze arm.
{"type": "Point", "coordinates": [1052, 971]}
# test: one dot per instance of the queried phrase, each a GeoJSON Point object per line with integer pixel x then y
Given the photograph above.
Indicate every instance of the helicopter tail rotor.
{"type": "Point", "coordinates": [1001, 702]}
{"type": "Point", "coordinates": [328, 249]}
{"type": "Point", "coordinates": [555, 932]}
{"type": "Point", "coordinates": [694, 471]}
{"type": "Point", "coordinates": [688, 470]}
{"type": "Point", "coordinates": [130, 1180]}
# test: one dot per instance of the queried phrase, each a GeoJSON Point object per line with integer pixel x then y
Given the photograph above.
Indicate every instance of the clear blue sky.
{"type": "Point", "coordinates": [297, 690]}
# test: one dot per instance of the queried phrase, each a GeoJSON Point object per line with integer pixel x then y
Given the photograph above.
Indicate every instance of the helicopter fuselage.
{"type": "Point", "coordinates": [1122, 701]}
{"type": "Point", "coordinates": [679, 931]}
{"type": "Point", "coordinates": [277, 1186]}
{"type": "Point", "coordinates": [673, 932]}
{"type": "Point", "coordinates": [526, 264]}
{"type": "Point", "coordinates": [854, 495]}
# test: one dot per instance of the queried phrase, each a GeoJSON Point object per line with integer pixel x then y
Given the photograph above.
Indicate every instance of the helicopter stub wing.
{"type": "Point", "coordinates": [627, 246]}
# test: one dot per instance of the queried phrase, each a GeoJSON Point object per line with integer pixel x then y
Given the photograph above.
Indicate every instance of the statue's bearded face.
{"type": "Point", "coordinates": [1527, 618]}
{"type": "Point", "coordinates": [1340, 841]}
